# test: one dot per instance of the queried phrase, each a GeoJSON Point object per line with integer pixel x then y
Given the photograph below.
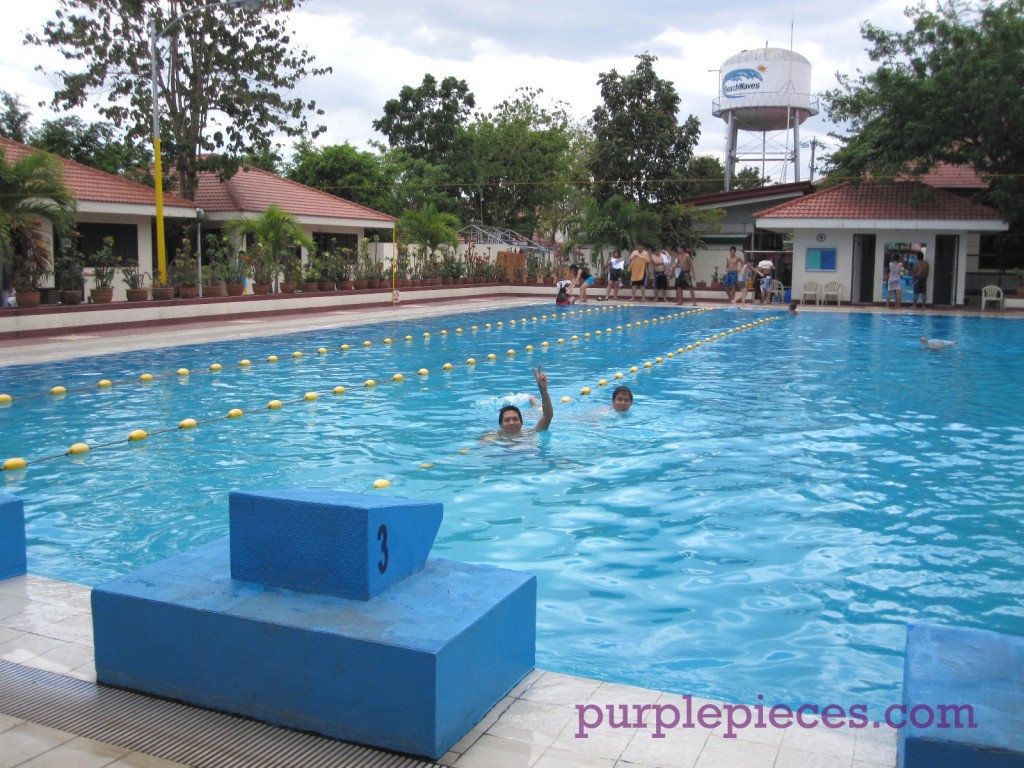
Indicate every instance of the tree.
{"type": "Point", "coordinates": [345, 171]}
{"type": "Point", "coordinates": [14, 118]}
{"type": "Point", "coordinates": [274, 232]}
{"type": "Point", "coordinates": [515, 162]}
{"type": "Point", "coordinates": [640, 150]}
{"type": "Point", "coordinates": [93, 144]}
{"type": "Point", "coordinates": [220, 86]}
{"type": "Point", "coordinates": [31, 188]}
{"type": "Point", "coordinates": [428, 227]}
{"type": "Point", "coordinates": [424, 120]}
{"type": "Point", "coordinates": [948, 90]}
{"type": "Point", "coordinates": [617, 222]}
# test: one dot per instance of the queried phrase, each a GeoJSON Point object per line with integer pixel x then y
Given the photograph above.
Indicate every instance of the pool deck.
{"type": "Point", "coordinates": [46, 625]}
{"type": "Point", "coordinates": [46, 628]}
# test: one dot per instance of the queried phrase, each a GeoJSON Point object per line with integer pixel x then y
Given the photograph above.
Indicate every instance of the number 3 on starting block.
{"type": "Point", "coordinates": [327, 542]}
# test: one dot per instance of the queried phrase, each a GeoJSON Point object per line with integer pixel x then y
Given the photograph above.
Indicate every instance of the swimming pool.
{"type": "Point", "coordinates": [777, 505]}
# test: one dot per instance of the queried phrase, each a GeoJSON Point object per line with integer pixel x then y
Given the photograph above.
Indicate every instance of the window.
{"type": "Point", "coordinates": [821, 260]}
{"type": "Point", "coordinates": [126, 240]}
{"type": "Point", "coordinates": [327, 241]}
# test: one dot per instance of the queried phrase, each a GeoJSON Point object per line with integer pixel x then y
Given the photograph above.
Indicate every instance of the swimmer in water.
{"type": "Point", "coordinates": [622, 399]}
{"type": "Point", "coordinates": [937, 343]}
{"type": "Point", "coordinates": [510, 418]}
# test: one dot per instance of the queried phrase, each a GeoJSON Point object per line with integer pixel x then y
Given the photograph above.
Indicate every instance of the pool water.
{"type": "Point", "coordinates": [774, 509]}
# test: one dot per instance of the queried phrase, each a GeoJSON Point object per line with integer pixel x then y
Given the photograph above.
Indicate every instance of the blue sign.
{"type": "Point", "coordinates": [741, 82]}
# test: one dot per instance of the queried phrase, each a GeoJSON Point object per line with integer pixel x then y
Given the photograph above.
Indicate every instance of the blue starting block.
{"type": "Point", "coordinates": [13, 560]}
{"type": "Point", "coordinates": [963, 694]}
{"type": "Point", "coordinates": [342, 630]}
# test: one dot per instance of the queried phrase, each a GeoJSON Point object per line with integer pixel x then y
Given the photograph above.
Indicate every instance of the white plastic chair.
{"type": "Point", "coordinates": [833, 290]}
{"type": "Point", "coordinates": [813, 290]}
{"type": "Point", "coordinates": [777, 290]}
{"type": "Point", "coordinates": [992, 294]}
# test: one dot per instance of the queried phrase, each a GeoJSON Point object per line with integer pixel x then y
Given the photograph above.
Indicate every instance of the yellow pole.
{"type": "Point", "coordinates": [394, 266]}
{"type": "Point", "coordinates": [161, 250]}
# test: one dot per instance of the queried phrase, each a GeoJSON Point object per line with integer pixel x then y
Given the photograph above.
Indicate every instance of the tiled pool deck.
{"type": "Point", "coordinates": [47, 625]}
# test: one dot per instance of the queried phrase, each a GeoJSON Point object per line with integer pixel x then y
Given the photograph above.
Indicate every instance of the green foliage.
{"type": "Point", "coordinates": [428, 228]}
{"type": "Point", "coordinates": [274, 233]}
{"type": "Point", "coordinates": [424, 120]}
{"type": "Point", "coordinates": [14, 118]}
{"type": "Point", "coordinates": [68, 267]}
{"type": "Point", "coordinates": [32, 188]}
{"type": "Point", "coordinates": [185, 267]}
{"type": "Point", "coordinates": [686, 225]}
{"type": "Point", "coordinates": [947, 90]}
{"type": "Point", "coordinates": [103, 263]}
{"type": "Point", "coordinates": [133, 277]}
{"type": "Point", "coordinates": [94, 144]}
{"type": "Point", "coordinates": [515, 161]}
{"type": "Point", "coordinates": [641, 152]}
{"type": "Point", "coordinates": [615, 223]}
{"type": "Point", "coordinates": [344, 171]}
{"type": "Point", "coordinates": [225, 80]}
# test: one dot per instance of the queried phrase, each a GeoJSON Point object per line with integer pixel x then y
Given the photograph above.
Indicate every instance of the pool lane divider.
{"type": "Point", "coordinates": [138, 435]}
{"type": "Point", "coordinates": [145, 378]}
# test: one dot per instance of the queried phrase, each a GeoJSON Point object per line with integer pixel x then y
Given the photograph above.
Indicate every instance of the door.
{"type": "Point", "coordinates": [863, 277]}
{"type": "Point", "coordinates": [944, 270]}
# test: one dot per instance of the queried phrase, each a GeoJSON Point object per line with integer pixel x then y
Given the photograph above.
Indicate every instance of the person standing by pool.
{"type": "Point", "coordinates": [684, 275]}
{"type": "Point", "coordinates": [583, 279]}
{"type": "Point", "coordinates": [660, 263]}
{"type": "Point", "coordinates": [746, 278]}
{"type": "Point", "coordinates": [732, 272]}
{"type": "Point", "coordinates": [893, 280]}
{"type": "Point", "coordinates": [921, 270]}
{"type": "Point", "coordinates": [615, 266]}
{"type": "Point", "coordinates": [510, 418]}
{"type": "Point", "coordinates": [766, 269]}
{"type": "Point", "coordinates": [638, 261]}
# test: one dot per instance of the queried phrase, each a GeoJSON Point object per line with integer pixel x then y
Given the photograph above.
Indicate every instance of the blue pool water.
{"type": "Point", "coordinates": [774, 509]}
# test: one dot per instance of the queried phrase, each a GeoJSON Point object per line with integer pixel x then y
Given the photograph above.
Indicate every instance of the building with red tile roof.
{"type": "Point", "coordinates": [848, 232]}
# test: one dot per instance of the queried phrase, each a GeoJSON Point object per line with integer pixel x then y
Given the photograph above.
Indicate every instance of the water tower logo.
{"type": "Point", "coordinates": [741, 82]}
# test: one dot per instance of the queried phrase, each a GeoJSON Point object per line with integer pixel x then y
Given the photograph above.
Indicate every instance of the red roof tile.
{"type": "Point", "coordinates": [96, 186]}
{"type": "Point", "coordinates": [254, 190]}
{"type": "Point", "coordinates": [945, 176]}
{"type": "Point", "coordinates": [886, 201]}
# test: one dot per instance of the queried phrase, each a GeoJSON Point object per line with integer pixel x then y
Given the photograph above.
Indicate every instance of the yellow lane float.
{"type": "Point", "coordinates": [186, 424]}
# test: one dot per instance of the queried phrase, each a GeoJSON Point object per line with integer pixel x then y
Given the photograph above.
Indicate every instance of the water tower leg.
{"type": "Point", "coordinates": [730, 151]}
{"type": "Point", "coordinates": [796, 149]}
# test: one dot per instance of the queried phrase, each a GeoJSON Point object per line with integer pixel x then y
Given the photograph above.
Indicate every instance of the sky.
{"type": "Point", "coordinates": [560, 46]}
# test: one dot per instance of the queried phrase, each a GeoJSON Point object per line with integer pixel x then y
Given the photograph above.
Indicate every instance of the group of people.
{"type": "Point", "coordinates": [510, 417]}
{"type": "Point", "coordinates": [643, 268]}
{"type": "Point", "coordinates": [894, 280]}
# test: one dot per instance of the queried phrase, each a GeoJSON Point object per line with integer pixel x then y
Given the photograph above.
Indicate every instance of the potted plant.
{"type": "Point", "coordinates": [25, 277]}
{"type": "Point", "coordinates": [312, 270]}
{"type": "Point", "coordinates": [104, 269]}
{"type": "Point", "coordinates": [213, 281]}
{"type": "Point", "coordinates": [135, 282]}
{"type": "Point", "coordinates": [219, 271]}
{"type": "Point", "coordinates": [292, 273]}
{"type": "Point", "coordinates": [161, 290]}
{"type": "Point", "coordinates": [1019, 274]}
{"type": "Point", "coordinates": [341, 268]}
{"type": "Point", "coordinates": [185, 270]}
{"type": "Point", "coordinates": [68, 273]}
{"type": "Point", "coordinates": [716, 281]}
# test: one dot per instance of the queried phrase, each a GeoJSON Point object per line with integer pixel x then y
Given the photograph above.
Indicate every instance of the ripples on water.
{"type": "Point", "coordinates": [767, 518]}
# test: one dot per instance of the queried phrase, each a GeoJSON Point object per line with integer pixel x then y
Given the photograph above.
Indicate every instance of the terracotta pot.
{"type": "Point", "coordinates": [101, 295]}
{"type": "Point", "coordinates": [446, 280]}
{"type": "Point", "coordinates": [235, 289]}
{"type": "Point", "coordinates": [70, 297]}
{"type": "Point", "coordinates": [188, 291]}
{"type": "Point", "coordinates": [213, 291]}
{"type": "Point", "coordinates": [261, 289]}
{"type": "Point", "coordinates": [359, 285]}
{"type": "Point", "coordinates": [1020, 290]}
{"type": "Point", "coordinates": [163, 294]}
{"type": "Point", "coordinates": [373, 284]}
{"type": "Point", "coordinates": [326, 285]}
{"type": "Point", "coordinates": [287, 287]}
{"type": "Point", "coordinates": [310, 286]}
{"type": "Point", "coordinates": [28, 299]}
{"type": "Point", "coordinates": [136, 294]}
{"type": "Point", "coordinates": [346, 285]}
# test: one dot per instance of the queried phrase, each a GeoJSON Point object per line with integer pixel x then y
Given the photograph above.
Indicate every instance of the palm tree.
{"type": "Point", "coordinates": [617, 222]}
{"type": "Point", "coordinates": [31, 189]}
{"type": "Point", "coordinates": [428, 227]}
{"type": "Point", "coordinates": [275, 231]}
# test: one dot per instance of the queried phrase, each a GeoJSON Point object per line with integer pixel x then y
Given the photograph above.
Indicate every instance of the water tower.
{"type": "Point", "coordinates": [765, 91]}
